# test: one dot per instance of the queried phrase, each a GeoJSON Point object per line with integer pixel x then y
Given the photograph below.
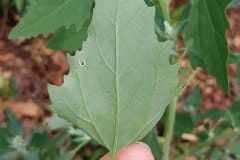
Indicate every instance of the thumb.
{"type": "Point", "coordinates": [137, 151]}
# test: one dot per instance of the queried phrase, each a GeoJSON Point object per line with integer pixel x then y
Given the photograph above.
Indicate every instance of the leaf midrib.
{"type": "Point", "coordinates": [115, 142]}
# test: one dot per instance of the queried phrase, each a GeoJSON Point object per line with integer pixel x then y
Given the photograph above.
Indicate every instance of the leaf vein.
{"type": "Point", "coordinates": [88, 113]}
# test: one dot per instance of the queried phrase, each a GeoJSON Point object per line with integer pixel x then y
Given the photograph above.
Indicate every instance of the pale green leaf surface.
{"type": "Point", "coordinates": [122, 91]}
{"type": "Point", "coordinates": [205, 38]}
{"type": "Point", "coordinates": [46, 16]}
{"type": "Point", "coordinates": [233, 3]}
{"type": "Point", "coordinates": [235, 149]}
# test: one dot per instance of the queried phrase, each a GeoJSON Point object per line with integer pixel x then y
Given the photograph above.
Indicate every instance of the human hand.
{"type": "Point", "coordinates": [137, 151]}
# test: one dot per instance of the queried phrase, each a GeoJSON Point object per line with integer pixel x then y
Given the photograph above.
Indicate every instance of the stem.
{"type": "Point", "coordinates": [171, 112]}
{"type": "Point", "coordinates": [171, 115]}
{"type": "Point", "coordinates": [191, 77]}
{"type": "Point", "coordinates": [113, 157]}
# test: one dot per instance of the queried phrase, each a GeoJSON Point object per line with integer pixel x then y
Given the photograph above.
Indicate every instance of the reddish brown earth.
{"type": "Point", "coordinates": [33, 66]}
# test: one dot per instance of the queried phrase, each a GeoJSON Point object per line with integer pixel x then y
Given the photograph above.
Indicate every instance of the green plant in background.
{"type": "Point", "coordinates": [217, 125]}
{"type": "Point", "coordinates": [40, 144]}
{"type": "Point", "coordinates": [72, 28]}
{"type": "Point", "coordinates": [233, 3]}
{"type": "Point", "coordinates": [18, 4]}
{"type": "Point", "coordinates": [121, 82]}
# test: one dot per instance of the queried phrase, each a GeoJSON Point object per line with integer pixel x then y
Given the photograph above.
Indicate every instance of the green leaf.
{"type": "Point", "coordinates": [8, 155]}
{"type": "Point", "coordinates": [184, 124]}
{"type": "Point", "coordinates": [235, 149]}
{"type": "Point", "coordinates": [215, 153]}
{"type": "Point", "coordinates": [60, 139]}
{"type": "Point", "coordinates": [4, 144]}
{"type": "Point", "coordinates": [69, 40]}
{"type": "Point", "coordinates": [80, 137]}
{"type": "Point", "coordinates": [40, 139]}
{"type": "Point", "coordinates": [159, 20]}
{"type": "Point", "coordinates": [70, 154]}
{"type": "Point", "coordinates": [46, 16]}
{"type": "Point", "coordinates": [150, 3]}
{"type": "Point", "coordinates": [20, 4]}
{"type": "Point", "coordinates": [123, 83]}
{"type": "Point", "coordinates": [232, 115]}
{"type": "Point", "coordinates": [14, 126]}
{"type": "Point", "coordinates": [205, 38]}
{"type": "Point", "coordinates": [55, 123]}
{"type": "Point", "coordinates": [100, 152]}
{"type": "Point", "coordinates": [31, 156]}
{"type": "Point", "coordinates": [233, 4]}
{"type": "Point", "coordinates": [234, 58]}
{"type": "Point", "coordinates": [153, 142]}
{"type": "Point", "coordinates": [212, 114]}
{"type": "Point", "coordinates": [160, 28]}
{"type": "Point", "coordinates": [194, 99]}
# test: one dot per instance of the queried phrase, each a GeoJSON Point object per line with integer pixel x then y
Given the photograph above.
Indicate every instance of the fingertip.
{"type": "Point", "coordinates": [136, 151]}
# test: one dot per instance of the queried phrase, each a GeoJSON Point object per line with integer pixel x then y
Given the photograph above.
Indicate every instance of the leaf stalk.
{"type": "Point", "coordinates": [171, 112]}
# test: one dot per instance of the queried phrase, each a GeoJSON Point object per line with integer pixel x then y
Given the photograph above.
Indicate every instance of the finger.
{"type": "Point", "coordinates": [137, 151]}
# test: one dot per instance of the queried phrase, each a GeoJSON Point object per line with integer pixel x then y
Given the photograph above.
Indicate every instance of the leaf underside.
{"type": "Point", "coordinates": [122, 90]}
{"type": "Point", "coordinates": [205, 38]}
{"type": "Point", "coordinates": [46, 16]}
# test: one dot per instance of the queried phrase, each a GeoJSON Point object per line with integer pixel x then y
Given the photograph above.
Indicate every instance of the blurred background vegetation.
{"type": "Point", "coordinates": [207, 122]}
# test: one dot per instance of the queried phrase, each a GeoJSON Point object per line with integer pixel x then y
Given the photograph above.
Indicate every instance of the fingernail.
{"type": "Point", "coordinates": [144, 145]}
